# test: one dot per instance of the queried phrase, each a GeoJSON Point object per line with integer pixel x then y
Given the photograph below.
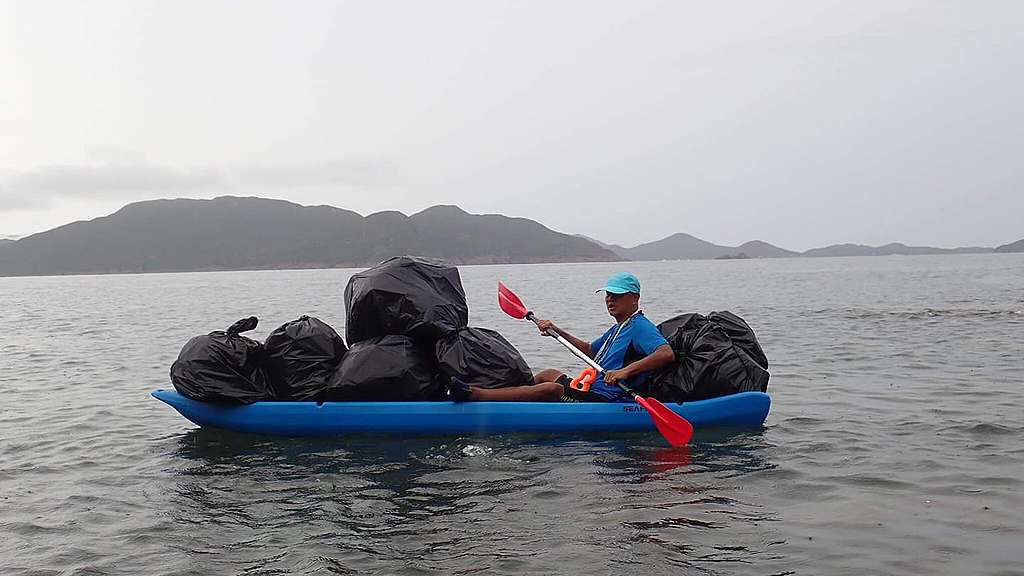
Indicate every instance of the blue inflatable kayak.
{"type": "Point", "coordinates": [465, 418]}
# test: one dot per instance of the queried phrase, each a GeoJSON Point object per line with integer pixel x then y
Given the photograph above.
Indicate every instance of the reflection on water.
{"type": "Point", "coordinates": [439, 498]}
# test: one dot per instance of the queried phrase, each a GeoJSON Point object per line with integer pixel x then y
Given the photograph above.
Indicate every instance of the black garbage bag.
{"type": "Point", "coordinates": [385, 368]}
{"type": "Point", "coordinates": [410, 296]}
{"type": "Point", "coordinates": [481, 357]}
{"type": "Point", "coordinates": [678, 329]}
{"type": "Point", "coordinates": [222, 366]}
{"type": "Point", "coordinates": [741, 335]}
{"type": "Point", "coordinates": [712, 358]}
{"type": "Point", "coordinates": [301, 356]}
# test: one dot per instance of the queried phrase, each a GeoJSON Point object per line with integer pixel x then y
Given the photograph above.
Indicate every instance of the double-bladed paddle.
{"type": "Point", "coordinates": [676, 429]}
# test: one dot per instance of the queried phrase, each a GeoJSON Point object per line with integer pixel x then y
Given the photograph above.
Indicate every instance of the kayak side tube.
{"type": "Point", "coordinates": [746, 409]}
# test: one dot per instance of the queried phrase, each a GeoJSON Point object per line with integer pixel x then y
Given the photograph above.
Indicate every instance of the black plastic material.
{"type": "Point", "coordinates": [481, 357]}
{"type": "Point", "coordinates": [741, 335]}
{"type": "Point", "coordinates": [385, 368]}
{"type": "Point", "coordinates": [301, 356]}
{"type": "Point", "coordinates": [222, 366]}
{"type": "Point", "coordinates": [716, 356]}
{"type": "Point", "coordinates": [417, 297]}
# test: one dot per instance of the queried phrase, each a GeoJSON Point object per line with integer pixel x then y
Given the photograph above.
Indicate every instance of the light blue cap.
{"type": "Point", "coordinates": [621, 283]}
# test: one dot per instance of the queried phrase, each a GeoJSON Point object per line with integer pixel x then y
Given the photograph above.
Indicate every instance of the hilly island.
{"type": "Point", "coordinates": [245, 233]}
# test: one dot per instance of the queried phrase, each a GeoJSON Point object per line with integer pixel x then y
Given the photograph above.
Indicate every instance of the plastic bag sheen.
{"type": "Point", "coordinates": [385, 368]}
{"type": "Point", "coordinates": [716, 356]}
{"type": "Point", "coordinates": [301, 357]}
{"type": "Point", "coordinates": [417, 297]}
{"type": "Point", "coordinates": [222, 366]}
{"type": "Point", "coordinates": [481, 357]}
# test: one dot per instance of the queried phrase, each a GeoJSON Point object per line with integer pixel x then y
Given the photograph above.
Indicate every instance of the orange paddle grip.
{"type": "Point", "coordinates": [584, 380]}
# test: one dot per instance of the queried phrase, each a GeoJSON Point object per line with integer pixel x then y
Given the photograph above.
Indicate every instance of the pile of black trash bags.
{"type": "Point", "coordinates": [407, 338]}
{"type": "Point", "coordinates": [716, 355]}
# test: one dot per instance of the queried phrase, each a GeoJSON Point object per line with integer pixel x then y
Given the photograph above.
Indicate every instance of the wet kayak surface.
{"type": "Point", "coordinates": [893, 446]}
{"type": "Point", "coordinates": [293, 419]}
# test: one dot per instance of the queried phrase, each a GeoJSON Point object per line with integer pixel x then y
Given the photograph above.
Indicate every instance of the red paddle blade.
{"type": "Point", "coordinates": [510, 303]}
{"type": "Point", "coordinates": [676, 429]}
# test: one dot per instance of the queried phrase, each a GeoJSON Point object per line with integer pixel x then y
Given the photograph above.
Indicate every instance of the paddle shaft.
{"type": "Point", "coordinates": [568, 345]}
{"type": "Point", "coordinates": [673, 427]}
{"type": "Point", "coordinates": [579, 354]}
{"type": "Point", "coordinates": [633, 395]}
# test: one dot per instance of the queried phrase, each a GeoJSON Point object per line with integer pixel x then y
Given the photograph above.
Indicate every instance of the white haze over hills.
{"type": "Point", "coordinates": [803, 124]}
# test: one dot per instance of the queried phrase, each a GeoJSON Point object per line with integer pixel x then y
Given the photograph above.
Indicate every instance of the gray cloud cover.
{"type": "Point", "coordinates": [366, 174]}
{"type": "Point", "coordinates": [802, 123]}
{"type": "Point", "coordinates": [37, 189]}
{"type": "Point", "coordinates": [118, 179]}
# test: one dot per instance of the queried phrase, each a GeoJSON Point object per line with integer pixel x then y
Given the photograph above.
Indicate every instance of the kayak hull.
{"type": "Point", "coordinates": [747, 409]}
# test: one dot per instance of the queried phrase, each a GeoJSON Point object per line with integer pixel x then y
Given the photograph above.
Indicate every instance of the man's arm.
{"type": "Point", "coordinates": [548, 325]}
{"type": "Point", "coordinates": [661, 357]}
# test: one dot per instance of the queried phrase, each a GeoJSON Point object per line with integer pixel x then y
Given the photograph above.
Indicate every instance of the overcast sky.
{"type": "Point", "coordinates": [798, 123]}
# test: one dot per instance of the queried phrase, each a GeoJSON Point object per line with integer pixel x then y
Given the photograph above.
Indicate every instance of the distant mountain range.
{"type": "Point", "coordinates": [232, 233]}
{"type": "Point", "coordinates": [892, 249]}
{"type": "Point", "coordinates": [1017, 246]}
{"type": "Point", "coordinates": [686, 247]}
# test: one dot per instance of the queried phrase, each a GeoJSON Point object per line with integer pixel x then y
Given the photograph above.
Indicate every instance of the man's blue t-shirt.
{"type": "Point", "coordinates": [623, 344]}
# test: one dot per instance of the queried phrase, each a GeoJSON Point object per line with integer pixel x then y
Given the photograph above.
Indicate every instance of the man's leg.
{"type": "Point", "coordinates": [542, 392]}
{"type": "Point", "coordinates": [547, 375]}
{"type": "Point", "coordinates": [549, 386]}
{"type": "Point", "coordinates": [566, 394]}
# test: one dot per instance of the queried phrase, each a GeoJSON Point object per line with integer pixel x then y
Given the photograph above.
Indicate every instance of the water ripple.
{"type": "Point", "coordinates": [894, 444]}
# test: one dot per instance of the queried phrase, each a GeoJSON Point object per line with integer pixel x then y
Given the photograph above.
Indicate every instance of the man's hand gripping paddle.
{"type": "Point", "coordinates": [515, 308]}
{"type": "Point", "coordinates": [676, 429]}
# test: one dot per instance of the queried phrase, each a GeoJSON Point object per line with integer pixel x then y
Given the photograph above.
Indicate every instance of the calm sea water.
{"type": "Point", "coordinates": [895, 444]}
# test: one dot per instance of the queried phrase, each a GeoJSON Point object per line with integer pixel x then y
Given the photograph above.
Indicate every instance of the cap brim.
{"type": "Point", "coordinates": [613, 290]}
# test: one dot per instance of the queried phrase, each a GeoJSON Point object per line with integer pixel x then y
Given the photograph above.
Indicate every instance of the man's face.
{"type": "Point", "coordinates": [619, 304]}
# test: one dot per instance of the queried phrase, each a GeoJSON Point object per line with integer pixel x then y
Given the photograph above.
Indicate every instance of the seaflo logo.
{"type": "Point", "coordinates": [633, 408]}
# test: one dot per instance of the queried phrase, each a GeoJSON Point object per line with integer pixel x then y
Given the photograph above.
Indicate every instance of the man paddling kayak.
{"type": "Point", "coordinates": [628, 351]}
